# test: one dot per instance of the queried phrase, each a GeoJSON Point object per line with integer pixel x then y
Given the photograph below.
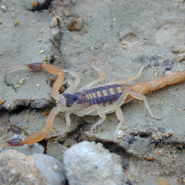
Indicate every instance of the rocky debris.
{"type": "Point", "coordinates": [3, 7]}
{"type": "Point", "coordinates": [54, 22]}
{"type": "Point", "coordinates": [178, 48]}
{"type": "Point", "coordinates": [36, 169]}
{"type": "Point", "coordinates": [139, 141]}
{"type": "Point", "coordinates": [56, 150]}
{"type": "Point", "coordinates": [50, 168]}
{"type": "Point", "coordinates": [168, 64]}
{"type": "Point", "coordinates": [40, 103]}
{"type": "Point", "coordinates": [181, 57]}
{"type": "Point", "coordinates": [75, 24]}
{"type": "Point", "coordinates": [40, 5]}
{"type": "Point", "coordinates": [89, 163]}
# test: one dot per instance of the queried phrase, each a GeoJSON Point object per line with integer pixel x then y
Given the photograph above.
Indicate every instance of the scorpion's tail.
{"type": "Point", "coordinates": [160, 82]}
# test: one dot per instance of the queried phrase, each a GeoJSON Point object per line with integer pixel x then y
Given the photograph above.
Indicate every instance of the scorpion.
{"type": "Point", "coordinates": [99, 100]}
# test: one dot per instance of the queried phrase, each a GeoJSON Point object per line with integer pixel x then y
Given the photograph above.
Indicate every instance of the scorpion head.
{"type": "Point", "coordinates": [70, 99]}
{"type": "Point", "coordinates": [68, 102]}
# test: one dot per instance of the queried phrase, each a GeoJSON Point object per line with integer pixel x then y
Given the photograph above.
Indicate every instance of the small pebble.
{"type": "Point", "coordinates": [140, 31]}
{"type": "Point", "coordinates": [124, 45]}
{"type": "Point", "coordinates": [16, 23]}
{"type": "Point", "coordinates": [41, 51]}
{"type": "Point", "coordinates": [168, 63]}
{"type": "Point", "coordinates": [3, 7]}
{"type": "Point", "coordinates": [150, 158]}
{"type": "Point", "coordinates": [54, 22]}
{"type": "Point", "coordinates": [39, 40]}
{"type": "Point", "coordinates": [21, 81]}
{"type": "Point", "coordinates": [181, 57]}
{"type": "Point", "coordinates": [75, 39]}
{"type": "Point", "coordinates": [178, 48]}
{"type": "Point", "coordinates": [75, 24]}
{"type": "Point", "coordinates": [41, 30]}
{"type": "Point", "coordinates": [169, 133]}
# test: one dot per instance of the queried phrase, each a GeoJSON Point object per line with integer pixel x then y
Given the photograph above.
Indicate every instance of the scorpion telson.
{"type": "Point", "coordinates": [100, 100]}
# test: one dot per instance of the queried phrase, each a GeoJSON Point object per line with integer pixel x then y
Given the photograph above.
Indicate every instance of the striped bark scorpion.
{"type": "Point", "coordinates": [99, 100]}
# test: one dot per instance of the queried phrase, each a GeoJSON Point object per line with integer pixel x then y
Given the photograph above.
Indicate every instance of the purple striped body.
{"type": "Point", "coordinates": [99, 95]}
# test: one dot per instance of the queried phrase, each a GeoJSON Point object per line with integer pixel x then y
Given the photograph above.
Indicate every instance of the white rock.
{"type": "Point", "coordinates": [89, 163]}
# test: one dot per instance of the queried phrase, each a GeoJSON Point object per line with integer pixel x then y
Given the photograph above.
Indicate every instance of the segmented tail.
{"type": "Point", "coordinates": [159, 82]}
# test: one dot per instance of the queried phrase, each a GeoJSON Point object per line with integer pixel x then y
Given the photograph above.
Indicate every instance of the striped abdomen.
{"type": "Point", "coordinates": [105, 94]}
{"type": "Point", "coordinates": [99, 95]}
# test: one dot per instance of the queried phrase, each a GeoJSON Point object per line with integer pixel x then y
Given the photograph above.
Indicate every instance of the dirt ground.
{"type": "Point", "coordinates": [119, 37]}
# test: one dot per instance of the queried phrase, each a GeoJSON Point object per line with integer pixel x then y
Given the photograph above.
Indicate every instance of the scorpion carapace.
{"type": "Point", "coordinates": [100, 100]}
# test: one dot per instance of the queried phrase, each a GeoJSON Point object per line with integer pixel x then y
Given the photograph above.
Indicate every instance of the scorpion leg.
{"type": "Point", "coordinates": [124, 81]}
{"type": "Point", "coordinates": [96, 124]}
{"type": "Point", "coordinates": [100, 78]}
{"type": "Point", "coordinates": [101, 112]}
{"type": "Point", "coordinates": [91, 109]}
{"type": "Point", "coordinates": [142, 97]}
{"type": "Point", "coordinates": [119, 113]}
{"type": "Point", "coordinates": [67, 117]}
{"type": "Point", "coordinates": [108, 109]}
{"type": "Point", "coordinates": [74, 85]}
{"type": "Point", "coordinates": [120, 116]}
{"type": "Point", "coordinates": [138, 96]}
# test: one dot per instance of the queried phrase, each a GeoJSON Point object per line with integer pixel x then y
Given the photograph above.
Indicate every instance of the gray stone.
{"type": "Point", "coordinates": [50, 168]}
{"type": "Point", "coordinates": [56, 150]}
{"type": "Point", "coordinates": [88, 163]}
{"type": "Point", "coordinates": [37, 169]}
